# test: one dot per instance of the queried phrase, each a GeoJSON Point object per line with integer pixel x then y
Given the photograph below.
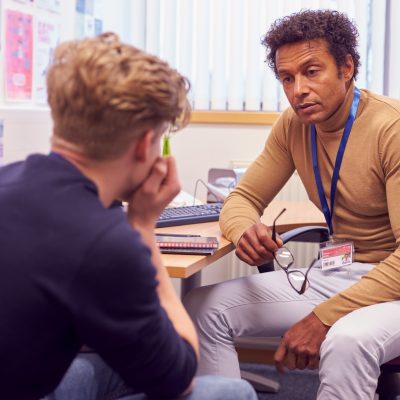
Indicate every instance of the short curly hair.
{"type": "Point", "coordinates": [334, 27]}
{"type": "Point", "coordinates": [104, 94]}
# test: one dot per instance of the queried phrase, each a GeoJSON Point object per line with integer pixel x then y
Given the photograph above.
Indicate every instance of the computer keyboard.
{"type": "Point", "coordinates": [189, 215]}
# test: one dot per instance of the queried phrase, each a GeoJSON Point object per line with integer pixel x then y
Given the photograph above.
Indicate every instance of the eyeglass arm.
{"type": "Point", "coordinates": [313, 233]}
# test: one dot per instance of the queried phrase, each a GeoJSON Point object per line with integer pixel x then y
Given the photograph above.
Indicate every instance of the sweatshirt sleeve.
{"type": "Point", "coordinates": [381, 284]}
{"type": "Point", "coordinates": [261, 182]}
{"type": "Point", "coordinates": [117, 312]}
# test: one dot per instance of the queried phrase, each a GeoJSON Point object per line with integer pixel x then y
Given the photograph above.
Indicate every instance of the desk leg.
{"type": "Point", "coordinates": [190, 283]}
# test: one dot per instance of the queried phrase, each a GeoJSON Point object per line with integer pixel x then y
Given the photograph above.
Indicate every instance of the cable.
{"type": "Point", "coordinates": [218, 199]}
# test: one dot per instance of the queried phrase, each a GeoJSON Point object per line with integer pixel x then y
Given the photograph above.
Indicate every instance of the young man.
{"type": "Point", "coordinates": [352, 310]}
{"type": "Point", "coordinates": [75, 269]}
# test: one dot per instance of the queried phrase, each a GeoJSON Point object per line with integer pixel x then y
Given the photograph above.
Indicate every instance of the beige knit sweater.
{"type": "Point", "coordinates": [367, 202]}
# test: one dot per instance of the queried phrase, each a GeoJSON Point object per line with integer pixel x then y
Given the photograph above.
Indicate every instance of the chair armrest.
{"type": "Point", "coordinates": [313, 233]}
{"type": "Point", "coordinates": [306, 234]}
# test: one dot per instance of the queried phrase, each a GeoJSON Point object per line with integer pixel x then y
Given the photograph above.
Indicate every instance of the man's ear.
{"type": "Point", "coordinates": [143, 145]}
{"type": "Point", "coordinates": [347, 68]}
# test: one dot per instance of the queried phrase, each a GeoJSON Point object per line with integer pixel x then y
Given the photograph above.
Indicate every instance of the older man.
{"type": "Point", "coordinates": [344, 143]}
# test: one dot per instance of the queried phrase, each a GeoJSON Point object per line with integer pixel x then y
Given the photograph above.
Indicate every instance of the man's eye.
{"type": "Point", "coordinates": [312, 72]}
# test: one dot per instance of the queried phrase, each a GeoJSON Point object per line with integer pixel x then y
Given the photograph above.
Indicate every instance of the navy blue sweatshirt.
{"type": "Point", "coordinates": [73, 272]}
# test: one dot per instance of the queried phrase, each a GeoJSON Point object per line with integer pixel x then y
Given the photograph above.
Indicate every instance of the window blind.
{"type": "Point", "coordinates": [217, 45]}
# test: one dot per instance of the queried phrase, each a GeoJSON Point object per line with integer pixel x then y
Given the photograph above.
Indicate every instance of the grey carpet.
{"type": "Point", "coordinates": [295, 385]}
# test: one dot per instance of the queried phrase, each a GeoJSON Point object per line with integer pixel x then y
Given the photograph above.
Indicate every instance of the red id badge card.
{"type": "Point", "coordinates": [336, 254]}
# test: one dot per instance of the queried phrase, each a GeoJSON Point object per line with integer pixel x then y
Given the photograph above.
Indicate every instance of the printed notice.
{"type": "Point", "coordinates": [51, 5]}
{"type": "Point", "coordinates": [47, 40]}
{"type": "Point", "coordinates": [18, 55]}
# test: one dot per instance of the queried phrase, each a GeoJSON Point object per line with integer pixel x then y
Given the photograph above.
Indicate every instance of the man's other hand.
{"type": "Point", "coordinates": [300, 345]}
{"type": "Point", "coordinates": [256, 246]}
{"type": "Point", "coordinates": [155, 193]}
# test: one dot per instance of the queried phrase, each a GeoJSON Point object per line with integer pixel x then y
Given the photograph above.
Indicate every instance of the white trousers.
{"type": "Point", "coordinates": [266, 305]}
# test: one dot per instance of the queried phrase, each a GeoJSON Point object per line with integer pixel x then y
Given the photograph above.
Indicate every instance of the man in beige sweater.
{"type": "Point", "coordinates": [347, 322]}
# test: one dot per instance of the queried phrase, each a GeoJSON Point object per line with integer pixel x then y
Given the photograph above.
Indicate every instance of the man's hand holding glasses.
{"type": "Point", "coordinates": [256, 246]}
{"type": "Point", "coordinates": [259, 245]}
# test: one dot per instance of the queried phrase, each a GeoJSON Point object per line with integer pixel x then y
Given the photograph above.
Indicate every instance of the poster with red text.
{"type": "Point", "coordinates": [18, 55]}
{"type": "Point", "coordinates": [47, 38]}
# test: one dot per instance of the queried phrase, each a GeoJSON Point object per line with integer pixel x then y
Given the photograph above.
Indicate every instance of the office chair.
{"type": "Point", "coordinates": [389, 380]}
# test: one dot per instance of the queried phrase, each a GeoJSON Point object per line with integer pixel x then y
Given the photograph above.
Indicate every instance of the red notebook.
{"type": "Point", "coordinates": [187, 244]}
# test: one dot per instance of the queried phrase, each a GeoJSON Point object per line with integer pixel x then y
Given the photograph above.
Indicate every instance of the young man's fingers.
{"type": "Point", "coordinates": [171, 181]}
{"type": "Point", "coordinates": [156, 176]}
{"type": "Point", "coordinates": [172, 173]}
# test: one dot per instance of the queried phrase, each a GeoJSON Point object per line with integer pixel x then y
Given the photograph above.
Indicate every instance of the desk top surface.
{"type": "Point", "coordinates": [182, 266]}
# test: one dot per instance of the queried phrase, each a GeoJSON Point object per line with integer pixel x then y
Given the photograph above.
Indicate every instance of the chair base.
{"type": "Point", "coordinates": [260, 383]}
{"type": "Point", "coordinates": [389, 385]}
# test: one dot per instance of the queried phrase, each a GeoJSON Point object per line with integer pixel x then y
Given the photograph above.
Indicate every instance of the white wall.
{"type": "Point", "coordinates": [198, 148]}
{"type": "Point", "coordinates": [26, 131]}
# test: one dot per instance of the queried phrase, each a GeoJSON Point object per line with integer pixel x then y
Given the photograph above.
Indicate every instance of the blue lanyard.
{"type": "Point", "coordinates": [328, 213]}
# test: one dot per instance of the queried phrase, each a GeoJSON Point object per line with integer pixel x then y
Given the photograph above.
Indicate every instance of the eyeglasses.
{"type": "Point", "coordinates": [284, 258]}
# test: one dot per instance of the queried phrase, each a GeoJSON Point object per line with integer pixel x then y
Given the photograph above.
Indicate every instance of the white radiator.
{"type": "Point", "coordinates": [303, 253]}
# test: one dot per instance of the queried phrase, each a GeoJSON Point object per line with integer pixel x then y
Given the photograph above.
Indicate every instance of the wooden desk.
{"type": "Point", "coordinates": [188, 267]}
{"type": "Point", "coordinates": [297, 214]}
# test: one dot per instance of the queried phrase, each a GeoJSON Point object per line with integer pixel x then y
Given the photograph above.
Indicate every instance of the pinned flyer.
{"type": "Point", "coordinates": [18, 55]}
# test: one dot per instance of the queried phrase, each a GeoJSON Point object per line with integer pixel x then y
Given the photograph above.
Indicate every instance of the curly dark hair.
{"type": "Point", "coordinates": [334, 27]}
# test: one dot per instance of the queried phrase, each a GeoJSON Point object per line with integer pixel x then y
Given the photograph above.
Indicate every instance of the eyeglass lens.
{"type": "Point", "coordinates": [298, 281]}
{"type": "Point", "coordinates": [284, 257]}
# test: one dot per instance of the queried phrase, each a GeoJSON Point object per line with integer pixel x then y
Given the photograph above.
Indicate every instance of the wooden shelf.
{"type": "Point", "coordinates": [234, 117]}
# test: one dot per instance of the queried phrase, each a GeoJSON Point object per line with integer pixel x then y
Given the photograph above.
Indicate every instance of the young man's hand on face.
{"type": "Point", "coordinates": [154, 194]}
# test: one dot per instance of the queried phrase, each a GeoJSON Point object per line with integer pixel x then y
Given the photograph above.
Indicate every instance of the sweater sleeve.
{"type": "Point", "coordinates": [117, 312]}
{"type": "Point", "coordinates": [381, 284]}
{"type": "Point", "coordinates": [260, 184]}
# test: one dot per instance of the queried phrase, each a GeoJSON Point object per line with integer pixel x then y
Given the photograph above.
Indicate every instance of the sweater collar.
{"type": "Point", "coordinates": [338, 120]}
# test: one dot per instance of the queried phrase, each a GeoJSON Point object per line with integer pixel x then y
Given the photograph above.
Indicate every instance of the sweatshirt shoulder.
{"type": "Point", "coordinates": [389, 106]}
{"type": "Point", "coordinates": [287, 122]}
{"type": "Point", "coordinates": [289, 116]}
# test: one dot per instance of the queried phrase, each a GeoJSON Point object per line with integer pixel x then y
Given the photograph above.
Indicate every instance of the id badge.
{"type": "Point", "coordinates": [336, 254]}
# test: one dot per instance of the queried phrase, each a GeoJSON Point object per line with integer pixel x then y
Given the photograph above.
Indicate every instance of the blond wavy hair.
{"type": "Point", "coordinates": [104, 94]}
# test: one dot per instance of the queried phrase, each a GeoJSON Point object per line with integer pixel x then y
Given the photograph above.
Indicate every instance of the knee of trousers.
{"type": "Point", "coordinates": [81, 370]}
{"type": "Point", "coordinates": [345, 345]}
{"type": "Point", "coordinates": [219, 387]}
{"type": "Point", "coordinates": [205, 307]}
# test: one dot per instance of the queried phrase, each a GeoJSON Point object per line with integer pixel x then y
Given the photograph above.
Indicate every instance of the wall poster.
{"type": "Point", "coordinates": [47, 38]}
{"type": "Point", "coordinates": [18, 55]}
{"type": "Point", "coordinates": [50, 5]}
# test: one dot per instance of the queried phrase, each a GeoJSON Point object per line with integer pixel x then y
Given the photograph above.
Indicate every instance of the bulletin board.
{"type": "Point", "coordinates": [31, 32]}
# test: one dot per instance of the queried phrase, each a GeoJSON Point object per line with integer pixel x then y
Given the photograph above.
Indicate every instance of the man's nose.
{"type": "Point", "coordinates": [300, 86]}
